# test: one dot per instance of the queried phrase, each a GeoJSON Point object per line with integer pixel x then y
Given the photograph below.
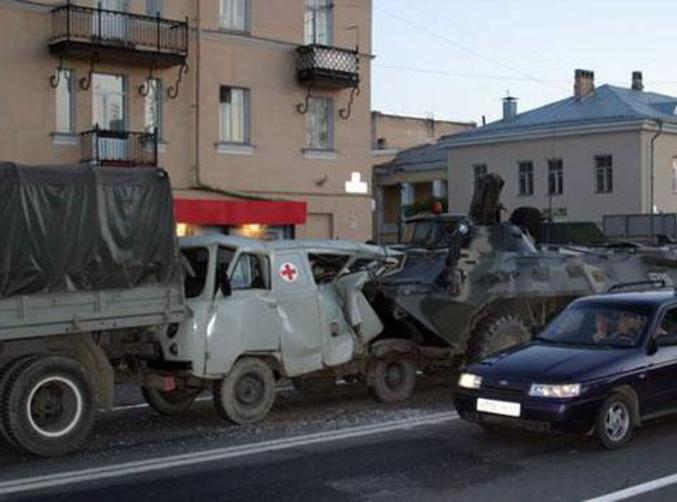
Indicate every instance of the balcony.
{"type": "Point", "coordinates": [118, 148]}
{"type": "Point", "coordinates": [119, 37]}
{"type": "Point", "coordinates": [321, 66]}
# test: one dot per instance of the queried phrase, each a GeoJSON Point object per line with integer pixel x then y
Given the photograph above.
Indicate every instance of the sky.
{"type": "Point", "coordinates": [456, 59]}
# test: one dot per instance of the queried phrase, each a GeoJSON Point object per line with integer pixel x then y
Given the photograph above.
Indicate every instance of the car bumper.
{"type": "Point", "coordinates": [536, 414]}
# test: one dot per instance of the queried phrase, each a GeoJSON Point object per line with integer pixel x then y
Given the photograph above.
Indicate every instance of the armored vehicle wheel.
{"type": "Point", "coordinates": [392, 378]}
{"type": "Point", "coordinates": [313, 386]}
{"type": "Point", "coordinates": [614, 426]}
{"type": "Point", "coordinates": [496, 334]}
{"type": "Point", "coordinates": [48, 406]}
{"type": "Point", "coordinates": [246, 394]}
{"type": "Point", "coordinates": [172, 402]}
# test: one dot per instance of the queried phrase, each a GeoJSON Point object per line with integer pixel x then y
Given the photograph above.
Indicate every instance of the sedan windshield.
{"type": "Point", "coordinates": [597, 325]}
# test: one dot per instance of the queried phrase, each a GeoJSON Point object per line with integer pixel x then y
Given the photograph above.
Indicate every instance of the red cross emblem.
{"type": "Point", "coordinates": [289, 272]}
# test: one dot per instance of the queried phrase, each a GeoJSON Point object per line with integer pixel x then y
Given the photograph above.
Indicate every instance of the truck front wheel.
{"type": "Point", "coordinates": [392, 378]}
{"type": "Point", "coordinates": [48, 406]}
{"type": "Point", "coordinates": [246, 394]}
{"type": "Point", "coordinates": [171, 403]}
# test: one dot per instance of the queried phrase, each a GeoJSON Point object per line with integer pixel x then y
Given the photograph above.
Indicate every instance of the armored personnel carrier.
{"type": "Point", "coordinates": [490, 287]}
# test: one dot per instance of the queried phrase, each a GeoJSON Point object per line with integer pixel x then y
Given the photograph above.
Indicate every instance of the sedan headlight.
{"type": "Point", "coordinates": [469, 381]}
{"type": "Point", "coordinates": [556, 391]}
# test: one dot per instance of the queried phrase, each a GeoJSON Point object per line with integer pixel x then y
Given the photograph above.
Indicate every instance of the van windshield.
{"type": "Point", "coordinates": [598, 325]}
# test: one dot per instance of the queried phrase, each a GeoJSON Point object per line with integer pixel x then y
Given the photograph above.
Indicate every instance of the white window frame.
{"type": "Point", "coordinates": [606, 173]}
{"type": "Point", "coordinates": [229, 131]}
{"type": "Point", "coordinates": [318, 22]}
{"type": "Point", "coordinates": [154, 97]}
{"type": "Point", "coordinates": [235, 15]}
{"type": "Point", "coordinates": [525, 178]}
{"type": "Point", "coordinates": [555, 177]}
{"type": "Point", "coordinates": [314, 140]}
{"type": "Point", "coordinates": [66, 84]}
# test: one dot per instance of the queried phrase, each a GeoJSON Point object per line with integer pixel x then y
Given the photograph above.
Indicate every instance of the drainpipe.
{"type": "Point", "coordinates": [651, 208]}
{"type": "Point", "coordinates": [198, 179]}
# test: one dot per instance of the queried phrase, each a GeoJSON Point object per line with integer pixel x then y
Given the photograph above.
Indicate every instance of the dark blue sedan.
{"type": "Point", "coordinates": [605, 365]}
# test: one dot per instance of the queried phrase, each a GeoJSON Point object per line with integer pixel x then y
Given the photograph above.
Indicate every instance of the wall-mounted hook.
{"type": "Point", "coordinates": [302, 108]}
{"type": "Point", "coordinates": [56, 78]}
{"type": "Point", "coordinates": [173, 91]}
{"type": "Point", "coordinates": [86, 82]}
{"type": "Point", "coordinates": [344, 113]}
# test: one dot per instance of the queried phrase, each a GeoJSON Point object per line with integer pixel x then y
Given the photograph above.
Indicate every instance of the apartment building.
{"type": "Point", "coordinates": [604, 150]}
{"type": "Point", "coordinates": [259, 110]}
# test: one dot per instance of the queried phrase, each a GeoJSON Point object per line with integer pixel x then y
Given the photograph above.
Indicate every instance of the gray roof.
{"type": "Point", "coordinates": [607, 104]}
{"type": "Point", "coordinates": [418, 158]}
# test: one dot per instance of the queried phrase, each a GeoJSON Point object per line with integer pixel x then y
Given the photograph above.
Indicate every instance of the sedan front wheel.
{"type": "Point", "coordinates": [614, 425]}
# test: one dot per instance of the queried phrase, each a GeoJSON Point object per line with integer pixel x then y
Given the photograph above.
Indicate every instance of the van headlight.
{"type": "Point", "coordinates": [469, 381]}
{"type": "Point", "coordinates": [557, 391]}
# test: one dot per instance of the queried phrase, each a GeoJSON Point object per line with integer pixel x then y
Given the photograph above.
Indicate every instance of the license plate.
{"type": "Point", "coordinates": [499, 407]}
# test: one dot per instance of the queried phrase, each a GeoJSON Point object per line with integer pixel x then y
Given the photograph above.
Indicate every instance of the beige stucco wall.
{"type": "Point", "coordinates": [263, 61]}
{"type": "Point", "coordinates": [577, 153]}
{"type": "Point", "coordinates": [401, 132]}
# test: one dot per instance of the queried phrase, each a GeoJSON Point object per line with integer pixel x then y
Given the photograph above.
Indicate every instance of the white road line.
{"type": "Point", "coordinates": [156, 464]}
{"type": "Point", "coordinates": [636, 490]}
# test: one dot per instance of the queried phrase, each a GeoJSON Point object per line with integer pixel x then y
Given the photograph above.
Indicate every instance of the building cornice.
{"type": "Point", "coordinates": [554, 131]}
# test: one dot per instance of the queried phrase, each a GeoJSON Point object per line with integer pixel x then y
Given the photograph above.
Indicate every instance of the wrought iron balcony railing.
{"type": "Point", "coordinates": [118, 148]}
{"type": "Point", "coordinates": [328, 67]}
{"type": "Point", "coordinates": [82, 31]}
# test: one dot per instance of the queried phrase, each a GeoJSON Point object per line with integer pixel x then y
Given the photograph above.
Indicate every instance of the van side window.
{"type": "Point", "coordinates": [326, 267]}
{"type": "Point", "coordinates": [195, 262]}
{"type": "Point", "coordinates": [667, 330]}
{"type": "Point", "coordinates": [250, 272]}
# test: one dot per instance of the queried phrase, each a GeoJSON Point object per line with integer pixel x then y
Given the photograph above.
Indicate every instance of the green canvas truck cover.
{"type": "Point", "coordinates": [78, 227]}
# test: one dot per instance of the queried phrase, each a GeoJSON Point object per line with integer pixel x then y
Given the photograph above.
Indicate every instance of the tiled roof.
{"type": "Point", "coordinates": [607, 104]}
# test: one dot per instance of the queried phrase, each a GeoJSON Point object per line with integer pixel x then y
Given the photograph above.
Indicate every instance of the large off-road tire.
{"type": "Point", "coordinates": [314, 386]}
{"type": "Point", "coordinates": [495, 334]}
{"type": "Point", "coordinates": [172, 402]}
{"type": "Point", "coordinates": [614, 426]}
{"type": "Point", "coordinates": [392, 378]}
{"type": "Point", "coordinates": [48, 407]}
{"type": "Point", "coordinates": [246, 394]}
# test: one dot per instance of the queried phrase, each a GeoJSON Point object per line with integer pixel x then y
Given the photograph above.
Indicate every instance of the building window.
{"type": "Point", "coordinates": [109, 101]}
{"type": "Point", "coordinates": [319, 124]}
{"type": "Point", "coordinates": [674, 175]}
{"type": "Point", "coordinates": [555, 177]}
{"type": "Point", "coordinates": [155, 7]}
{"type": "Point", "coordinates": [153, 106]}
{"type": "Point", "coordinates": [234, 15]}
{"type": "Point", "coordinates": [65, 103]}
{"type": "Point", "coordinates": [234, 116]}
{"type": "Point", "coordinates": [526, 178]}
{"type": "Point", "coordinates": [318, 22]}
{"type": "Point", "coordinates": [604, 176]}
{"type": "Point", "coordinates": [479, 171]}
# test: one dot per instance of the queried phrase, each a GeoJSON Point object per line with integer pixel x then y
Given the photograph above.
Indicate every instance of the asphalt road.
{"type": "Point", "coordinates": [342, 447]}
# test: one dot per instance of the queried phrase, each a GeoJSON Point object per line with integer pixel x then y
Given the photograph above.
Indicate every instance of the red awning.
{"type": "Point", "coordinates": [239, 212]}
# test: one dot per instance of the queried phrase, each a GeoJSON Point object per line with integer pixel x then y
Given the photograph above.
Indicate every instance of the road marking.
{"type": "Point", "coordinates": [636, 490]}
{"type": "Point", "coordinates": [156, 464]}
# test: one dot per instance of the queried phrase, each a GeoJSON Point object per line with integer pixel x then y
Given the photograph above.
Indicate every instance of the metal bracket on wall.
{"type": "Point", "coordinates": [55, 79]}
{"type": "Point", "coordinates": [144, 89]}
{"type": "Point", "coordinates": [173, 91]}
{"type": "Point", "coordinates": [344, 113]}
{"type": "Point", "coordinates": [86, 82]}
{"type": "Point", "coordinates": [302, 108]}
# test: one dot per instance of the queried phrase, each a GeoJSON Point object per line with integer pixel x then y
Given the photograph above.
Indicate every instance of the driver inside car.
{"type": "Point", "coordinates": [629, 326]}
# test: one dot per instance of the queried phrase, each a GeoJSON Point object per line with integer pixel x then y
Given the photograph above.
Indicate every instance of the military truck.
{"type": "Point", "coordinates": [96, 291]}
{"type": "Point", "coordinates": [488, 286]}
